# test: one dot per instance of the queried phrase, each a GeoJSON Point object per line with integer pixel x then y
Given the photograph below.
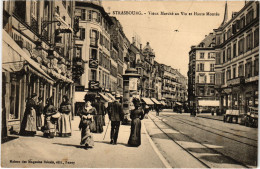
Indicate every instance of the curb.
{"type": "Point", "coordinates": [164, 161]}
{"type": "Point", "coordinates": [210, 118]}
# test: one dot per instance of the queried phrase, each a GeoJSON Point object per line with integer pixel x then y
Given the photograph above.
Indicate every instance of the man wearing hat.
{"type": "Point", "coordinates": [116, 114]}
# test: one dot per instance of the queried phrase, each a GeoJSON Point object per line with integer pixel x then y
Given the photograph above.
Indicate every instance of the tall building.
{"type": "Point", "coordinates": [93, 46]}
{"type": "Point", "coordinates": [38, 44]}
{"type": "Point", "coordinates": [237, 59]}
{"type": "Point", "coordinates": [201, 74]}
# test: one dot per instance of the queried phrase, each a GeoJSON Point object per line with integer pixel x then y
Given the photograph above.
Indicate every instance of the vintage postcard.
{"type": "Point", "coordinates": [129, 84]}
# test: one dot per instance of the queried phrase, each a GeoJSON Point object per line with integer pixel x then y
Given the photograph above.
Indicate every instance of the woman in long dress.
{"type": "Point", "coordinates": [65, 119]}
{"type": "Point", "coordinates": [86, 123]}
{"type": "Point", "coordinates": [99, 116]}
{"type": "Point", "coordinates": [29, 121]}
{"type": "Point", "coordinates": [136, 115]}
{"type": "Point", "coordinates": [49, 122]}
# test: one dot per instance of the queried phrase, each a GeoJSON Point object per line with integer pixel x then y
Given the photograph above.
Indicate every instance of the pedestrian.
{"type": "Point", "coordinates": [28, 127]}
{"type": "Point", "coordinates": [157, 109]}
{"type": "Point", "coordinates": [146, 110]}
{"type": "Point", "coordinates": [39, 112]}
{"type": "Point", "coordinates": [49, 122]}
{"type": "Point", "coordinates": [116, 115]}
{"type": "Point", "coordinates": [136, 115]}
{"type": "Point", "coordinates": [64, 122]}
{"type": "Point", "coordinates": [87, 122]}
{"type": "Point", "coordinates": [99, 116]}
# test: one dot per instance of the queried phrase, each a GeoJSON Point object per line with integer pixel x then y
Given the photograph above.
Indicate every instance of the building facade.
{"type": "Point", "coordinates": [38, 40]}
{"type": "Point", "coordinates": [201, 72]}
{"type": "Point", "coordinates": [237, 59]}
{"type": "Point", "coordinates": [93, 46]}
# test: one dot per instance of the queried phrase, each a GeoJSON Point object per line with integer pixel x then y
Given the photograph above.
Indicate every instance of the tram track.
{"type": "Point", "coordinates": [197, 125]}
{"type": "Point", "coordinates": [203, 162]}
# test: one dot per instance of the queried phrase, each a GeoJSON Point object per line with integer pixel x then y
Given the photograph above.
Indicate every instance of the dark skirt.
{"type": "Point", "coordinates": [99, 123]}
{"type": "Point", "coordinates": [86, 135]}
{"type": "Point", "coordinates": [135, 136]}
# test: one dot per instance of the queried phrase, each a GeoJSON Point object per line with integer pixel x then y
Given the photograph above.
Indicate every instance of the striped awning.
{"type": "Point", "coordinates": [155, 101]}
{"type": "Point", "coordinates": [12, 53]}
{"type": "Point", "coordinates": [163, 103]}
{"type": "Point", "coordinates": [111, 96]}
{"type": "Point", "coordinates": [148, 101]}
{"type": "Point", "coordinates": [105, 97]}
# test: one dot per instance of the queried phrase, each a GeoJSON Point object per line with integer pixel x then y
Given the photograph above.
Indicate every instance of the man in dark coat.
{"type": "Point", "coordinates": [116, 114]}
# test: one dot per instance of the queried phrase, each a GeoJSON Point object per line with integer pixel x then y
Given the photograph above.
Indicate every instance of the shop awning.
{"type": "Point", "coordinates": [15, 49]}
{"type": "Point", "coordinates": [79, 96]}
{"type": "Point", "coordinates": [178, 103]}
{"type": "Point", "coordinates": [163, 103]}
{"type": "Point", "coordinates": [12, 61]}
{"type": "Point", "coordinates": [111, 96]}
{"type": "Point", "coordinates": [155, 101]}
{"type": "Point", "coordinates": [208, 103]}
{"type": "Point", "coordinates": [105, 97]}
{"type": "Point", "coordinates": [148, 101]}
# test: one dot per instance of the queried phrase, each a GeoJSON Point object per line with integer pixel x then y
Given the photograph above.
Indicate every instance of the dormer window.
{"type": "Point", "coordinates": [202, 45]}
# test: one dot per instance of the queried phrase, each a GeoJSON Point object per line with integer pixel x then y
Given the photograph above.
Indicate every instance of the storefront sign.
{"type": "Point", "coordinates": [236, 81]}
{"type": "Point", "coordinates": [93, 85]}
{"type": "Point", "coordinates": [93, 63]}
{"type": "Point", "coordinates": [251, 79]}
{"type": "Point", "coordinates": [79, 88]}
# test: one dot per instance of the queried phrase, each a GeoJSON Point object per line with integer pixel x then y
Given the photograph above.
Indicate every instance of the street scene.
{"type": "Point", "coordinates": [130, 84]}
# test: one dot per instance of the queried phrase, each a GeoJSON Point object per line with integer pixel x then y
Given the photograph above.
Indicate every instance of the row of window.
{"type": "Point", "coordinates": [202, 78]}
{"type": "Point", "coordinates": [91, 15]}
{"type": "Point", "coordinates": [203, 91]}
{"type": "Point", "coordinates": [247, 70]}
{"type": "Point", "coordinates": [200, 67]}
{"type": "Point", "coordinates": [238, 25]}
{"type": "Point", "coordinates": [94, 37]}
{"type": "Point", "coordinates": [244, 44]}
{"type": "Point", "coordinates": [211, 55]}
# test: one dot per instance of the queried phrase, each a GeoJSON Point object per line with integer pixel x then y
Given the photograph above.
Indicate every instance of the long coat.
{"type": "Point", "coordinates": [115, 111]}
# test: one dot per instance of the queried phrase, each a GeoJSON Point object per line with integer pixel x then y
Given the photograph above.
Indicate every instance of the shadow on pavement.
{"type": "Point", "coordinates": [118, 143]}
{"type": "Point", "coordinates": [70, 145]}
{"type": "Point", "coordinates": [9, 138]}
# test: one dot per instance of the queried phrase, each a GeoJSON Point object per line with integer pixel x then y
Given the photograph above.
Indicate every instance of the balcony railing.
{"type": "Point", "coordinates": [34, 25]}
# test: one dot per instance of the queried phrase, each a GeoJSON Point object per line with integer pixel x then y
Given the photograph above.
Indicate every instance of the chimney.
{"type": "Point", "coordinates": [140, 46]}
{"type": "Point", "coordinates": [133, 40]}
{"type": "Point", "coordinates": [206, 36]}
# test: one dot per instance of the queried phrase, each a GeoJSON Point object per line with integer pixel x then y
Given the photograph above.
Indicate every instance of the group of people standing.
{"type": "Point", "coordinates": [56, 121]}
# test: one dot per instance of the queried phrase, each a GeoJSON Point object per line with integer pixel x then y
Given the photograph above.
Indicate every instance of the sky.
{"type": "Point", "coordinates": [171, 47]}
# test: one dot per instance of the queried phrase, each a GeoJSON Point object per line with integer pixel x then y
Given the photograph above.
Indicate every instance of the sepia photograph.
{"type": "Point", "coordinates": [129, 84]}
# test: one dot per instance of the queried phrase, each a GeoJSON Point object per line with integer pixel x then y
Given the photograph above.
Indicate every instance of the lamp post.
{"type": "Point", "coordinates": [129, 90]}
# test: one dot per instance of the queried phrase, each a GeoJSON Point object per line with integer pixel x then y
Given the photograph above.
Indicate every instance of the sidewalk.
{"type": "Point", "coordinates": [66, 152]}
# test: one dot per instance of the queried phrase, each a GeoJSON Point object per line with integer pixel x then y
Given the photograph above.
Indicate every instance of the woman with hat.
{"type": "Point", "coordinates": [136, 115]}
{"type": "Point", "coordinates": [28, 127]}
{"type": "Point", "coordinates": [64, 122]}
{"type": "Point", "coordinates": [87, 122]}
